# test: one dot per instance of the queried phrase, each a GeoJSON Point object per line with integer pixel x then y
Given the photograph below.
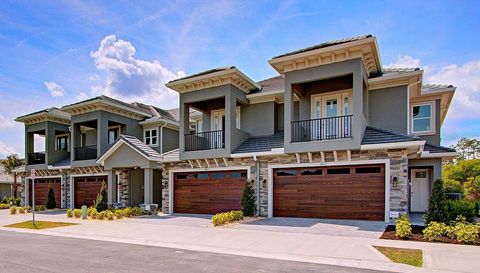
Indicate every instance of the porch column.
{"type": "Point", "coordinates": [148, 186]}
{"type": "Point", "coordinates": [111, 192]}
{"type": "Point", "coordinates": [26, 192]}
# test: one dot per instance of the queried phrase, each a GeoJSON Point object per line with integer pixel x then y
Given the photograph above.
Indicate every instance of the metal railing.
{"type": "Point", "coordinates": [453, 195]}
{"type": "Point", "coordinates": [86, 152]}
{"type": "Point", "coordinates": [322, 129]}
{"type": "Point", "coordinates": [205, 140]}
{"type": "Point", "coordinates": [36, 158]}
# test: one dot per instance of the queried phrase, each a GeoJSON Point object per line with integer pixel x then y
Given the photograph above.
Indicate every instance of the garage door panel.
{"type": "Point", "coordinates": [219, 192]}
{"type": "Point", "coordinates": [87, 189]}
{"type": "Point", "coordinates": [41, 190]}
{"type": "Point", "coordinates": [338, 196]}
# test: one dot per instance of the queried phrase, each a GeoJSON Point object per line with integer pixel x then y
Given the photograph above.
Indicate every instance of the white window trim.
{"type": "Point", "coordinates": [341, 94]}
{"type": "Point", "coordinates": [432, 118]}
{"type": "Point", "coordinates": [119, 127]}
{"type": "Point", "coordinates": [220, 113]}
{"type": "Point", "coordinates": [56, 142]}
{"type": "Point", "coordinates": [145, 138]}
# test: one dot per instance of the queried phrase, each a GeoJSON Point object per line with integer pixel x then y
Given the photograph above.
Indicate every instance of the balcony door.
{"type": "Point", "coordinates": [326, 110]}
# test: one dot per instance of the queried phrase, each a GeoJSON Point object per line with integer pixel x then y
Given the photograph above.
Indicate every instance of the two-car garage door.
{"type": "Point", "coordinates": [343, 192]}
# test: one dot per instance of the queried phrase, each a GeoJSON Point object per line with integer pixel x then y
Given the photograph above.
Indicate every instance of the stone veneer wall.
{"type": "Point", "coordinates": [398, 168]}
{"type": "Point", "coordinates": [123, 184]}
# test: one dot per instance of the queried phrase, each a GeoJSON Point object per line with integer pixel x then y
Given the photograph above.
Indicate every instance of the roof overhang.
{"type": "Point", "coordinates": [445, 95]}
{"type": "Point", "coordinates": [98, 104]}
{"type": "Point", "coordinates": [426, 154]}
{"type": "Point", "coordinates": [160, 122]}
{"type": "Point", "coordinates": [54, 115]}
{"type": "Point", "coordinates": [366, 49]}
{"type": "Point", "coordinates": [413, 79]}
{"type": "Point", "coordinates": [275, 95]}
{"type": "Point", "coordinates": [228, 76]}
{"type": "Point", "coordinates": [117, 145]}
{"type": "Point", "coordinates": [393, 145]}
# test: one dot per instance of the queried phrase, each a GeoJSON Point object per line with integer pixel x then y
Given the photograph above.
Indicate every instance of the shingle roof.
{"type": "Point", "coordinates": [213, 70]}
{"type": "Point", "coordinates": [433, 87]}
{"type": "Point", "coordinates": [437, 149]}
{"type": "Point", "coordinates": [140, 146]}
{"type": "Point", "coordinates": [133, 106]}
{"type": "Point", "coordinates": [51, 110]}
{"type": "Point", "coordinates": [374, 135]}
{"type": "Point", "coordinates": [325, 44]}
{"type": "Point", "coordinates": [261, 144]}
{"type": "Point", "coordinates": [271, 84]}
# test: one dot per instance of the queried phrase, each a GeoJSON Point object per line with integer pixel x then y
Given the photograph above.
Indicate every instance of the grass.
{"type": "Point", "coordinates": [40, 225]}
{"type": "Point", "coordinates": [402, 255]}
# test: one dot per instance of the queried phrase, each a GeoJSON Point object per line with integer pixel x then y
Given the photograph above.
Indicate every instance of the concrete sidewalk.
{"type": "Point", "coordinates": [317, 248]}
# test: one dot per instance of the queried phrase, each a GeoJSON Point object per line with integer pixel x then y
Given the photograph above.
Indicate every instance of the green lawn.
{"type": "Point", "coordinates": [402, 255]}
{"type": "Point", "coordinates": [40, 225]}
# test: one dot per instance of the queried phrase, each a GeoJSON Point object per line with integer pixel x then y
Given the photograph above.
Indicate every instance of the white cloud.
{"type": "Point", "coordinates": [82, 96]}
{"type": "Point", "coordinates": [6, 150]}
{"type": "Point", "coordinates": [55, 89]}
{"type": "Point", "coordinates": [5, 122]}
{"type": "Point", "coordinates": [404, 61]}
{"type": "Point", "coordinates": [131, 79]}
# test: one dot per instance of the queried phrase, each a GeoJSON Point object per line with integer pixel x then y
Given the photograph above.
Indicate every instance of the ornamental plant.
{"type": "Point", "coordinates": [434, 231]}
{"type": "Point", "coordinates": [249, 207]}
{"type": "Point", "coordinates": [51, 204]}
{"type": "Point", "coordinates": [101, 202]}
{"type": "Point", "coordinates": [403, 227]}
{"type": "Point", "coordinates": [437, 205]}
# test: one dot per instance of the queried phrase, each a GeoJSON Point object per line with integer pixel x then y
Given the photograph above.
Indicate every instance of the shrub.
{"type": "Point", "coordinates": [472, 188]}
{"type": "Point", "coordinates": [452, 186]}
{"type": "Point", "coordinates": [437, 204]}
{"type": "Point", "coordinates": [4, 206]}
{"type": "Point", "coordinates": [403, 227]}
{"type": "Point", "coordinates": [69, 213]}
{"type": "Point", "coordinates": [5, 200]}
{"type": "Point", "coordinates": [127, 212]}
{"type": "Point", "coordinates": [101, 215]}
{"type": "Point", "coordinates": [77, 213]}
{"type": "Point", "coordinates": [249, 207]}
{"type": "Point", "coordinates": [28, 209]}
{"type": "Point", "coordinates": [94, 214]}
{"type": "Point", "coordinates": [13, 210]}
{"type": "Point", "coordinates": [51, 204]}
{"type": "Point", "coordinates": [89, 211]}
{"type": "Point", "coordinates": [109, 215]}
{"type": "Point", "coordinates": [137, 211]}
{"type": "Point", "coordinates": [21, 210]}
{"type": "Point", "coordinates": [455, 208]}
{"type": "Point", "coordinates": [465, 233]}
{"type": "Point", "coordinates": [39, 207]}
{"type": "Point", "coordinates": [434, 231]}
{"type": "Point", "coordinates": [101, 201]}
{"type": "Point", "coordinates": [223, 218]}
{"type": "Point", "coordinates": [119, 213]}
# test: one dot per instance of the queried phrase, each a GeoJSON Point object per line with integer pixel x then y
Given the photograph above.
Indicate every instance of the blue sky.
{"type": "Point", "coordinates": [58, 52]}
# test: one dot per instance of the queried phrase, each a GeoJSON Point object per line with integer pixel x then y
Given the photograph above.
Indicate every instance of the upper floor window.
{"type": "Point", "coordinates": [218, 119]}
{"type": "Point", "coordinates": [61, 143]}
{"type": "Point", "coordinates": [423, 118]}
{"type": "Point", "coordinates": [113, 134]}
{"type": "Point", "coordinates": [150, 136]}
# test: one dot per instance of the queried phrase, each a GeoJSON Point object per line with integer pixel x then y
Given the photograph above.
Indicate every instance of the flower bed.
{"type": "Point", "coordinates": [417, 235]}
{"type": "Point", "coordinates": [109, 214]}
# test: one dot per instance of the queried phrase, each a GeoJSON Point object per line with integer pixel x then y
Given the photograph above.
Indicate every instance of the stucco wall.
{"type": "Point", "coordinates": [258, 119]}
{"type": "Point", "coordinates": [388, 109]}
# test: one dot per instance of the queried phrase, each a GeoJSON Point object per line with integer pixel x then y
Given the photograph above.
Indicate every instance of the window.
{"type": "Point", "coordinates": [421, 175]}
{"type": "Point", "coordinates": [61, 143]}
{"type": "Point", "coordinates": [287, 173]}
{"type": "Point", "coordinates": [368, 170]}
{"type": "Point", "coordinates": [312, 172]}
{"type": "Point", "coordinates": [219, 175]}
{"type": "Point", "coordinates": [339, 171]}
{"type": "Point", "coordinates": [423, 118]}
{"type": "Point", "coordinates": [113, 134]}
{"type": "Point", "coordinates": [150, 137]}
{"type": "Point", "coordinates": [218, 118]}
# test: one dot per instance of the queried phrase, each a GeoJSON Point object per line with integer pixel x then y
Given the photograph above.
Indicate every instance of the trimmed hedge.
{"type": "Point", "coordinates": [224, 218]}
{"type": "Point", "coordinates": [110, 214]}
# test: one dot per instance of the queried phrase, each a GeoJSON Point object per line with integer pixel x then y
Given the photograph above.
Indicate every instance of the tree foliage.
{"type": "Point", "coordinates": [101, 202]}
{"type": "Point", "coordinates": [11, 162]}
{"type": "Point", "coordinates": [469, 148]}
{"type": "Point", "coordinates": [249, 206]}
{"type": "Point", "coordinates": [437, 204]}
{"type": "Point", "coordinates": [51, 204]}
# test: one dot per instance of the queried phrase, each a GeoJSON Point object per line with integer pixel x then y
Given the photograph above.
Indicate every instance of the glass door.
{"type": "Point", "coordinates": [331, 110]}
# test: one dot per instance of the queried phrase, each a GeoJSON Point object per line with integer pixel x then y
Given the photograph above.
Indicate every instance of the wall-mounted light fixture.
{"type": "Point", "coordinates": [395, 182]}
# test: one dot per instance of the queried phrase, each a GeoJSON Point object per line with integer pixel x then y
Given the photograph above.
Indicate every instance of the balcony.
{"type": "Point", "coordinates": [330, 128]}
{"type": "Point", "coordinates": [86, 152]}
{"type": "Point", "coordinates": [205, 141]}
{"type": "Point", "coordinates": [36, 158]}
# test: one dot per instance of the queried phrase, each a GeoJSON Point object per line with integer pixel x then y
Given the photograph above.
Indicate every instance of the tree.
{"type": "Point", "coordinates": [249, 207]}
{"type": "Point", "coordinates": [461, 170]}
{"type": "Point", "coordinates": [469, 148]}
{"type": "Point", "coordinates": [51, 204]}
{"type": "Point", "coordinates": [101, 202]}
{"type": "Point", "coordinates": [472, 188]}
{"type": "Point", "coordinates": [437, 204]}
{"type": "Point", "coordinates": [9, 164]}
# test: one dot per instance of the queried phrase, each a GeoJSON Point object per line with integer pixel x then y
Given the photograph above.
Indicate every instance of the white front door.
{"type": "Point", "coordinates": [419, 190]}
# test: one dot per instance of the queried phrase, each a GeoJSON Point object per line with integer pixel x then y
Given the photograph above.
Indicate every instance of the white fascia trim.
{"type": "Point", "coordinates": [395, 76]}
{"type": "Point", "coordinates": [392, 145]}
{"type": "Point", "coordinates": [438, 155]}
{"type": "Point", "coordinates": [50, 167]}
{"type": "Point", "coordinates": [101, 101]}
{"type": "Point", "coordinates": [263, 94]}
{"type": "Point", "coordinates": [158, 121]}
{"type": "Point", "coordinates": [336, 163]}
{"type": "Point", "coordinates": [190, 170]}
{"type": "Point", "coordinates": [278, 151]}
{"type": "Point", "coordinates": [439, 90]}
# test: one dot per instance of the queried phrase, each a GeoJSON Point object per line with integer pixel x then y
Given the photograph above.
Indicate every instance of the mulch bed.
{"type": "Point", "coordinates": [417, 235]}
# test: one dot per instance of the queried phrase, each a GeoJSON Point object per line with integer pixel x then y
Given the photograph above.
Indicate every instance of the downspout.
{"type": "Point", "coordinates": [257, 168]}
{"type": "Point", "coordinates": [161, 137]}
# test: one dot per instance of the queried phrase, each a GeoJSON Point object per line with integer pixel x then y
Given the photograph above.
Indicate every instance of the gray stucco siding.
{"type": "Point", "coordinates": [49, 129]}
{"type": "Point", "coordinates": [435, 138]}
{"type": "Point", "coordinates": [258, 119]}
{"type": "Point", "coordinates": [170, 140]}
{"type": "Point", "coordinates": [388, 108]}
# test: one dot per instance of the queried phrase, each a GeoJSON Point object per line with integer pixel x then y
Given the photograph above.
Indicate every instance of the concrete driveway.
{"type": "Point", "coordinates": [344, 228]}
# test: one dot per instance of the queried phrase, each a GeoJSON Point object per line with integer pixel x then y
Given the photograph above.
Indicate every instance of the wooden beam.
{"type": "Point", "coordinates": [216, 162]}
{"type": "Point", "coordinates": [191, 164]}
{"type": "Point", "coordinates": [208, 163]}
{"type": "Point", "coordinates": [297, 155]}
{"type": "Point", "coordinates": [310, 158]}
{"type": "Point", "coordinates": [349, 155]}
{"type": "Point", "coordinates": [225, 161]}
{"type": "Point", "coordinates": [322, 154]}
{"type": "Point", "coordinates": [335, 156]}
{"type": "Point", "coordinates": [198, 163]}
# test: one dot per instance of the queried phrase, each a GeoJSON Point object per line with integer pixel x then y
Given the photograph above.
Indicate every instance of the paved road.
{"type": "Point", "coordinates": [23, 252]}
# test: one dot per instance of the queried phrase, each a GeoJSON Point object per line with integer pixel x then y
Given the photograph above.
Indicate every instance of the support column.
{"type": "Point", "coordinates": [72, 192]}
{"type": "Point", "coordinates": [111, 189]}
{"type": "Point", "coordinates": [148, 186]}
{"type": "Point", "coordinates": [63, 191]}
{"type": "Point", "coordinates": [26, 192]}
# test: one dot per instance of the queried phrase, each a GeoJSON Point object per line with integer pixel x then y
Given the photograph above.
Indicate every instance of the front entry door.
{"type": "Point", "coordinates": [419, 190]}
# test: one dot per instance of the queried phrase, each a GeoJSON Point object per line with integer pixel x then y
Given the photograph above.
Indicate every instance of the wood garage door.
{"type": "Point", "coordinates": [41, 191]}
{"type": "Point", "coordinates": [208, 192]}
{"type": "Point", "coordinates": [345, 192]}
{"type": "Point", "coordinates": [87, 189]}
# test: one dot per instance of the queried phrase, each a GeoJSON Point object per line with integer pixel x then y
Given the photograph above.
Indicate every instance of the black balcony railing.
{"type": "Point", "coordinates": [36, 158]}
{"type": "Point", "coordinates": [86, 152]}
{"type": "Point", "coordinates": [322, 129]}
{"type": "Point", "coordinates": [205, 140]}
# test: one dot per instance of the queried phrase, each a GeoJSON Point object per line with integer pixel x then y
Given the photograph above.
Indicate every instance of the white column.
{"type": "Point", "coordinates": [148, 186]}
{"type": "Point", "coordinates": [26, 191]}
{"type": "Point", "coordinates": [111, 191]}
{"type": "Point", "coordinates": [72, 192]}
